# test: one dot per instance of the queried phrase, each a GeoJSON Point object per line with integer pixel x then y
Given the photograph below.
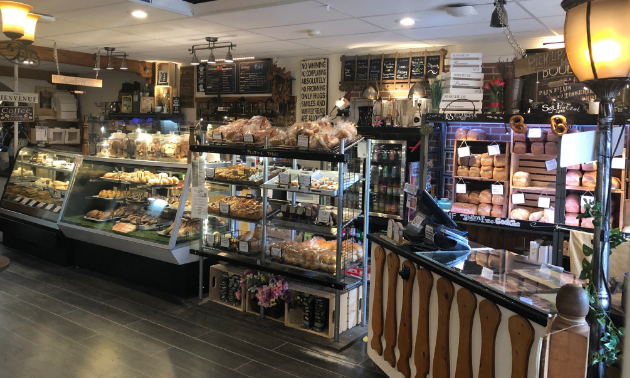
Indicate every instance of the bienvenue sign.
{"type": "Point", "coordinates": [16, 114]}
{"type": "Point", "coordinates": [314, 89]}
{"type": "Point", "coordinates": [19, 97]}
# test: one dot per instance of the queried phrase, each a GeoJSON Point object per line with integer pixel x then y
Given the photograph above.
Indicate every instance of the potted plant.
{"type": "Point", "coordinates": [437, 87]}
{"type": "Point", "coordinates": [496, 94]}
{"type": "Point", "coordinates": [270, 292]}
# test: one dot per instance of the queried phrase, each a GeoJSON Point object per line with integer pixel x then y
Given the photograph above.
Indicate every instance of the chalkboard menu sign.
{"type": "Point", "coordinates": [389, 68]}
{"type": "Point", "coordinates": [201, 77]}
{"type": "Point", "coordinates": [221, 78]}
{"type": "Point", "coordinates": [402, 69]}
{"type": "Point", "coordinates": [362, 70]}
{"type": "Point", "coordinates": [417, 67]}
{"type": "Point", "coordinates": [348, 70]}
{"type": "Point", "coordinates": [375, 69]}
{"type": "Point", "coordinates": [252, 76]}
{"type": "Point", "coordinates": [433, 66]}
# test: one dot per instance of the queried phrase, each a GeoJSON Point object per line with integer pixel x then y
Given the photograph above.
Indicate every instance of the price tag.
{"type": "Point", "coordinates": [308, 213]}
{"type": "Point", "coordinates": [216, 135]}
{"type": "Point", "coordinates": [248, 138]}
{"type": "Point", "coordinates": [56, 209]}
{"type": "Point", "coordinates": [17, 199]}
{"type": "Point", "coordinates": [276, 252]}
{"type": "Point", "coordinates": [463, 151]}
{"type": "Point", "coordinates": [544, 202]}
{"type": "Point", "coordinates": [304, 180]}
{"type": "Point", "coordinates": [78, 159]}
{"type": "Point", "coordinates": [210, 173]}
{"type": "Point", "coordinates": [429, 232]}
{"type": "Point", "coordinates": [487, 273]}
{"type": "Point", "coordinates": [225, 242]}
{"type": "Point", "coordinates": [292, 209]}
{"type": "Point", "coordinates": [224, 208]}
{"type": "Point", "coordinates": [324, 217]}
{"type": "Point", "coordinates": [41, 204]}
{"type": "Point", "coordinates": [31, 203]}
{"type": "Point", "coordinates": [587, 199]}
{"type": "Point", "coordinates": [518, 198]}
{"type": "Point", "coordinates": [551, 164]}
{"type": "Point", "coordinates": [49, 207]}
{"type": "Point", "coordinates": [534, 133]}
{"type": "Point", "coordinates": [497, 189]}
{"type": "Point", "coordinates": [494, 149]}
{"type": "Point", "coordinates": [302, 141]}
{"type": "Point", "coordinates": [460, 188]}
{"type": "Point", "coordinates": [24, 201]}
{"type": "Point", "coordinates": [284, 178]}
{"type": "Point", "coordinates": [411, 189]}
{"type": "Point", "coordinates": [243, 246]}
{"type": "Point", "coordinates": [618, 163]}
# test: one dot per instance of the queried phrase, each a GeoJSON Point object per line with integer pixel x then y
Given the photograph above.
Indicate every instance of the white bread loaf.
{"type": "Point", "coordinates": [497, 211]}
{"type": "Point", "coordinates": [486, 171]}
{"type": "Point", "coordinates": [521, 180]}
{"type": "Point", "coordinates": [520, 214]}
{"type": "Point", "coordinates": [484, 209]}
{"type": "Point", "coordinates": [500, 160]}
{"type": "Point", "coordinates": [464, 208]}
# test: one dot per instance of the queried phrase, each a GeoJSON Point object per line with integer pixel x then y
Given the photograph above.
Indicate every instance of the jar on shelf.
{"type": "Point", "coordinates": [141, 149]}
{"type": "Point", "coordinates": [131, 145]}
{"type": "Point", "coordinates": [168, 147]}
{"type": "Point", "coordinates": [183, 145]}
{"type": "Point", "coordinates": [154, 146]}
{"type": "Point", "coordinates": [102, 148]}
{"type": "Point", "coordinates": [118, 145]}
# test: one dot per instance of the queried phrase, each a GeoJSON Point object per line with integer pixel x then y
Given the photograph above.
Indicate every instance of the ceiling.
{"type": "Point", "coordinates": [276, 28]}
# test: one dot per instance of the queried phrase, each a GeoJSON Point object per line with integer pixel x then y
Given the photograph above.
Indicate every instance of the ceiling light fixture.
{"type": "Point", "coordinates": [211, 58]}
{"type": "Point", "coordinates": [461, 10]}
{"type": "Point", "coordinates": [123, 65]}
{"type": "Point", "coordinates": [139, 14]}
{"type": "Point", "coordinates": [195, 60]}
{"type": "Point", "coordinates": [19, 26]}
{"type": "Point", "coordinates": [212, 45]}
{"type": "Point", "coordinates": [110, 63]}
{"type": "Point", "coordinates": [407, 21]}
{"type": "Point", "coordinates": [228, 56]}
{"type": "Point", "coordinates": [496, 21]}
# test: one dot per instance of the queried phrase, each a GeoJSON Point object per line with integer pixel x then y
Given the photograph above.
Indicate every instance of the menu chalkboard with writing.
{"type": "Point", "coordinates": [433, 66]}
{"type": "Point", "coordinates": [349, 68]}
{"type": "Point", "coordinates": [375, 69]}
{"type": "Point", "coordinates": [402, 69]}
{"type": "Point", "coordinates": [417, 67]}
{"type": "Point", "coordinates": [252, 76]}
{"type": "Point", "coordinates": [221, 78]}
{"type": "Point", "coordinates": [362, 70]}
{"type": "Point", "coordinates": [201, 77]}
{"type": "Point", "coordinates": [389, 68]}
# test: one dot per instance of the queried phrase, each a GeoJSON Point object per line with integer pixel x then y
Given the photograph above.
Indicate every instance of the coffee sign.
{"type": "Point", "coordinates": [19, 97]}
{"type": "Point", "coordinates": [16, 114]}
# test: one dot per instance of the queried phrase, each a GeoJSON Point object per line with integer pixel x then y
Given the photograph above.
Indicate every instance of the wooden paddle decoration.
{"type": "Point", "coordinates": [490, 317]}
{"type": "Point", "coordinates": [422, 354]}
{"type": "Point", "coordinates": [441, 358]}
{"type": "Point", "coordinates": [408, 274]}
{"type": "Point", "coordinates": [522, 337]}
{"type": "Point", "coordinates": [393, 265]}
{"type": "Point", "coordinates": [466, 306]}
{"type": "Point", "coordinates": [378, 256]}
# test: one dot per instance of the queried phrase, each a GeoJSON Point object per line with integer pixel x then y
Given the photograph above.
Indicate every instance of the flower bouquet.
{"type": "Point", "coordinates": [270, 292]}
{"type": "Point", "coordinates": [496, 94]}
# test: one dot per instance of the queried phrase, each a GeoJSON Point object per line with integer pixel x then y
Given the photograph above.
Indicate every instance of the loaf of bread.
{"type": "Point", "coordinates": [485, 196]}
{"type": "Point", "coordinates": [475, 160]}
{"type": "Point", "coordinates": [576, 167]}
{"type": "Point", "coordinates": [473, 197]}
{"type": "Point", "coordinates": [615, 183]}
{"type": "Point", "coordinates": [499, 174]}
{"type": "Point", "coordinates": [486, 172]}
{"type": "Point", "coordinates": [462, 171]}
{"type": "Point", "coordinates": [587, 223]}
{"type": "Point", "coordinates": [520, 147]}
{"type": "Point", "coordinates": [570, 219]}
{"type": "Point", "coordinates": [462, 197]}
{"type": "Point", "coordinates": [464, 208]}
{"type": "Point", "coordinates": [461, 133]}
{"type": "Point", "coordinates": [521, 179]}
{"type": "Point", "coordinates": [498, 199]}
{"type": "Point", "coordinates": [500, 160]}
{"type": "Point", "coordinates": [487, 160]}
{"type": "Point", "coordinates": [497, 211]}
{"type": "Point", "coordinates": [474, 172]}
{"type": "Point", "coordinates": [551, 137]}
{"type": "Point", "coordinates": [476, 134]}
{"type": "Point", "coordinates": [543, 137]}
{"type": "Point", "coordinates": [548, 215]}
{"type": "Point", "coordinates": [520, 214]}
{"type": "Point", "coordinates": [574, 178]}
{"type": "Point", "coordinates": [538, 148]}
{"type": "Point", "coordinates": [533, 217]}
{"type": "Point", "coordinates": [551, 148]}
{"type": "Point", "coordinates": [589, 179]}
{"type": "Point", "coordinates": [572, 203]}
{"type": "Point", "coordinates": [520, 137]}
{"type": "Point", "coordinates": [589, 167]}
{"type": "Point", "coordinates": [463, 160]}
{"type": "Point", "coordinates": [484, 209]}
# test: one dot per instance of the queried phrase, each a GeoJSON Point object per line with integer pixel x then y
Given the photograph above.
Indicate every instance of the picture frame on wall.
{"type": "Point", "coordinates": [162, 78]}
{"type": "Point", "coordinates": [44, 108]}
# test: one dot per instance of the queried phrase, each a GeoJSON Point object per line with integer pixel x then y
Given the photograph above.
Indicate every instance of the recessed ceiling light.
{"type": "Point", "coordinates": [139, 14]}
{"type": "Point", "coordinates": [406, 21]}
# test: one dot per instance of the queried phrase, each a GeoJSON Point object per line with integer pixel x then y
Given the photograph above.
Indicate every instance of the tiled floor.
{"type": "Point", "coordinates": [66, 323]}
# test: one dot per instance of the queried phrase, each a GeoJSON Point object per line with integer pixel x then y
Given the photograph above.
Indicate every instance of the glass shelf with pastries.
{"type": "Point", "coordinates": [139, 207]}
{"type": "Point", "coordinates": [38, 184]}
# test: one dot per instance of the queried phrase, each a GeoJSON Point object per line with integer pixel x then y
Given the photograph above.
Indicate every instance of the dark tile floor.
{"type": "Point", "coordinates": [67, 323]}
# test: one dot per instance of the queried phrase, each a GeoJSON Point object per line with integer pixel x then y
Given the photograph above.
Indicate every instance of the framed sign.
{"type": "Point", "coordinates": [16, 114]}
{"type": "Point", "coordinates": [313, 89]}
{"type": "Point", "coordinates": [162, 78]}
{"type": "Point", "coordinates": [187, 87]}
{"type": "Point", "coordinates": [44, 105]}
{"type": "Point", "coordinates": [31, 98]}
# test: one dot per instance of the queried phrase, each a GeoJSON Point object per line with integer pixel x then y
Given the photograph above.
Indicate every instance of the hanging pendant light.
{"type": "Point", "coordinates": [13, 18]}
{"type": "Point", "coordinates": [228, 56]}
{"type": "Point", "coordinates": [370, 92]}
{"type": "Point", "coordinates": [418, 90]}
{"type": "Point", "coordinates": [195, 60]}
{"type": "Point", "coordinates": [29, 29]}
{"type": "Point", "coordinates": [110, 65]}
{"type": "Point", "coordinates": [123, 65]}
{"type": "Point", "coordinates": [211, 58]}
{"type": "Point", "coordinates": [495, 22]}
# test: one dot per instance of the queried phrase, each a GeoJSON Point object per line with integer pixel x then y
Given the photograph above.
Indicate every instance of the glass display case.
{"type": "Point", "coordinates": [140, 207]}
{"type": "Point", "coordinates": [36, 189]}
{"type": "Point", "coordinates": [387, 178]}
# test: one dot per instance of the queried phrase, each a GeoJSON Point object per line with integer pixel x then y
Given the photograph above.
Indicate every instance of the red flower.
{"type": "Point", "coordinates": [500, 82]}
{"type": "Point", "coordinates": [486, 85]}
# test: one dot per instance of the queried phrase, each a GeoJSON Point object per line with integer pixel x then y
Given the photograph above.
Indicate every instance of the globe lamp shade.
{"type": "Point", "coordinates": [13, 18]}
{"type": "Point", "coordinates": [29, 28]}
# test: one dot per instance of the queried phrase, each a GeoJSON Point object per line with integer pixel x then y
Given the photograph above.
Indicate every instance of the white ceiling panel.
{"type": "Point", "coordinates": [45, 42]}
{"type": "Point", "coordinates": [237, 37]}
{"type": "Point", "coordinates": [99, 38]}
{"type": "Point", "coordinates": [329, 28]}
{"type": "Point", "coordinates": [57, 6]}
{"type": "Point", "coordinates": [293, 53]}
{"type": "Point", "coordinates": [288, 14]}
{"type": "Point", "coordinates": [442, 32]}
{"type": "Point", "coordinates": [554, 22]}
{"type": "Point", "coordinates": [366, 8]}
{"type": "Point", "coordinates": [116, 15]}
{"type": "Point", "coordinates": [355, 41]}
{"type": "Point", "coordinates": [149, 45]}
{"type": "Point", "coordinates": [381, 49]}
{"type": "Point", "coordinates": [176, 28]}
{"type": "Point", "coordinates": [60, 27]}
{"type": "Point", "coordinates": [253, 48]}
{"type": "Point", "coordinates": [544, 8]}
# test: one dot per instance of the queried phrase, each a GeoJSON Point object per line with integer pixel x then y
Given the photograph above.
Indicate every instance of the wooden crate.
{"type": "Point", "coordinates": [248, 309]}
{"type": "Point", "coordinates": [214, 293]}
{"type": "Point", "coordinates": [531, 199]}
{"type": "Point", "coordinates": [541, 178]}
{"type": "Point", "coordinates": [480, 147]}
{"type": "Point", "coordinates": [472, 185]}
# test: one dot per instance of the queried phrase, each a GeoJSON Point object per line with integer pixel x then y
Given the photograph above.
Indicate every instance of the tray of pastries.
{"type": "Point", "coordinates": [111, 194]}
{"type": "Point", "coordinates": [142, 177]}
{"type": "Point", "coordinates": [240, 207]}
{"type": "Point", "coordinates": [187, 227]}
{"type": "Point", "coordinates": [145, 221]}
{"type": "Point", "coordinates": [319, 254]}
{"type": "Point", "coordinates": [239, 174]}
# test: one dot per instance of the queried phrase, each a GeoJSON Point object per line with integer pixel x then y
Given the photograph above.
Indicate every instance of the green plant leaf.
{"type": "Point", "coordinates": [588, 251]}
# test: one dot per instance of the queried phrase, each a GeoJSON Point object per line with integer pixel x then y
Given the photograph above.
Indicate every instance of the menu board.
{"type": "Point", "coordinates": [433, 66]}
{"type": "Point", "coordinates": [252, 76]}
{"type": "Point", "coordinates": [201, 77]}
{"type": "Point", "coordinates": [362, 70]}
{"type": "Point", "coordinates": [375, 69]}
{"type": "Point", "coordinates": [417, 67]}
{"type": "Point", "coordinates": [402, 69]}
{"type": "Point", "coordinates": [349, 68]}
{"type": "Point", "coordinates": [389, 68]}
{"type": "Point", "coordinates": [221, 78]}
{"type": "Point", "coordinates": [187, 87]}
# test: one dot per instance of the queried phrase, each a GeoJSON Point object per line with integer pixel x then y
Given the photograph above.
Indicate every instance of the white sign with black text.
{"type": "Point", "coordinates": [313, 89]}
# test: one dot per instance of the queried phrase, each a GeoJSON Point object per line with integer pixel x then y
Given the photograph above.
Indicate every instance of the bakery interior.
{"type": "Point", "coordinates": [314, 188]}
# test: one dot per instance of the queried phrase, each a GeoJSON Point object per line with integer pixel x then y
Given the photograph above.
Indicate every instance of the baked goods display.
{"type": "Point", "coordinates": [22, 171]}
{"type": "Point", "coordinates": [143, 177]}
{"type": "Point", "coordinates": [476, 134]}
{"type": "Point", "coordinates": [187, 227]}
{"type": "Point", "coordinates": [252, 238]}
{"type": "Point", "coordinates": [106, 215]}
{"type": "Point", "coordinates": [486, 166]}
{"type": "Point", "coordinates": [319, 254]}
{"type": "Point", "coordinates": [520, 214]}
{"type": "Point", "coordinates": [464, 208]}
{"type": "Point", "coordinates": [239, 207]}
{"type": "Point", "coordinates": [112, 194]}
{"type": "Point", "coordinates": [32, 193]}
{"type": "Point", "coordinates": [240, 174]}
{"type": "Point", "coordinates": [521, 180]}
{"type": "Point", "coordinates": [257, 128]}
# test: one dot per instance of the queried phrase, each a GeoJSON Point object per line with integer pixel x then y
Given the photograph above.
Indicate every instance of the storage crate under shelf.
{"type": "Point", "coordinates": [214, 292]}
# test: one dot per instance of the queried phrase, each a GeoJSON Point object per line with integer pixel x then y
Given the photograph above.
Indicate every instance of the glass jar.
{"type": "Point", "coordinates": [168, 147]}
{"type": "Point", "coordinates": [141, 149]}
{"type": "Point", "coordinates": [117, 145]}
{"type": "Point", "coordinates": [182, 147]}
{"type": "Point", "coordinates": [102, 149]}
{"type": "Point", "coordinates": [131, 145]}
{"type": "Point", "coordinates": [154, 146]}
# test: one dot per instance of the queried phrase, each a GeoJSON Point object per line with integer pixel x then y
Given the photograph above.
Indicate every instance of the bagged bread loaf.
{"type": "Point", "coordinates": [498, 199]}
{"type": "Point", "coordinates": [476, 134]}
{"type": "Point", "coordinates": [462, 197]}
{"type": "Point", "coordinates": [497, 211]}
{"type": "Point", "coordinates": [587, 223]}
{"type": "Point", "coordinates": [521, 180]}
{"type": "Point", "coordinates": [463, 160]}
{"type": "Point", "coordinates": [533, 217]}
{"type": "Point", "coordinates": [487, 160]}
{"type": "Point", "coordinates": [589, 167]}
{"type": "Point", "coordinates": [461, 133]}
{"type": "Point", "coordinates": [520, 214]}
{"type": "Point", "coordinates": [498, 173]}
{"type": "Point", "coordinates": [474, 172]}
{"type": "Point", "coordinates": [500, 160]}
{"type": "Point", "coordinates": [570, 219]}
{"type": "Point", "coordinates": [543, 136]}
{"type": "Point", "coordinates": [464, 208]}
{"type": "Point", "coordinates": [484, 209]}
{"type": "Point", "coordinates": [485, 196]}
{"type": "Point", "coordinates": [486, 172]}
{"type": "Point", "coordinates": [475, 160]}
{"type": "Point", "coordinates": [574, 178]}
{"type": "Point", "coordinates": [548, 215]}
{"type": "Point", "coordinates": [589, 179]}
{"type": "Point", "coordinates": [551, 148]}
{"type": "Point", "coordinates": [551, 137]}
{"type": "Point", "coordinates": [520, 147]}
{"type": "Point", "coordinates": [538, 148]}
{"type": "Point", "coordinates": [574, 167]}
{"type": "Point", "coordinates": [463, 171]}
{"type": "Point", "coordinates": [572, 203]}
{"type": "Point", "coordinates": [520, 137]}
{"type": "Point", "coordinates": [473, 197]}
{"type": "Point", "coordinates": [615, 183]}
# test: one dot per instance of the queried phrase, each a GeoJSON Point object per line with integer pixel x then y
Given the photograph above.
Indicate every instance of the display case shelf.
{"type": "Point", "coordinates": [246, 220]}
{"type": "Point", "coordinates": [309, 227]}
{"type": "Point", "coordinates": [65, 170]}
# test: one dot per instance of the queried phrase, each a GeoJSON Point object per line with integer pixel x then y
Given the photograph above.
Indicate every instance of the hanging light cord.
{"type": "Point", "coordinates": [506, 30]}
{"type": "Point", "coordinates": [56, 58]}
